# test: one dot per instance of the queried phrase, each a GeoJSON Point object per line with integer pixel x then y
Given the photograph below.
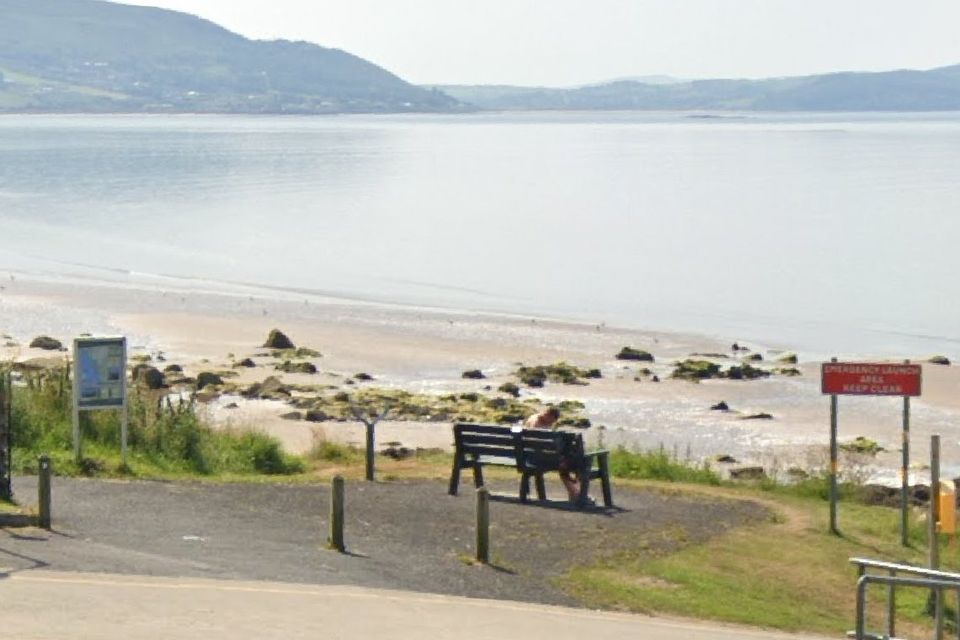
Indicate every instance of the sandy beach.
{"type": "Point", "coordinates": [421, 350]}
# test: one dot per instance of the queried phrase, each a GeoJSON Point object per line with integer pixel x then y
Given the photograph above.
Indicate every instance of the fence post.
{"type": "Point", "coordinates": [483, 525]}
{"type": "Point", "coordinates": [43, 490]}
{"type": "Point", "coordinates": [6, 437]}
{"type": "Point", "coordinates": [336, 515]}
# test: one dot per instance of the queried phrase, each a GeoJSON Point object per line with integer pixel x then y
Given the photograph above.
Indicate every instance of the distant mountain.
{"type": "Point", "coordinates": [934, 90]}
{"type": "Point", "coordinates": [89, 55]}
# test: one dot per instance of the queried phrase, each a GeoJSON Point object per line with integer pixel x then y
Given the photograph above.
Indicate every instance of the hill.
{"type": "Point", "coordinates": [904, 90]}
{"type": "Point", "coordinates": [90, 55]}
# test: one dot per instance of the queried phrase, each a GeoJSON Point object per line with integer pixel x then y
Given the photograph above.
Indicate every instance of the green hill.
{"type": "Point", "coordinates": [89, 55]}
{"type": "Point", "coordinates": [933, 90]}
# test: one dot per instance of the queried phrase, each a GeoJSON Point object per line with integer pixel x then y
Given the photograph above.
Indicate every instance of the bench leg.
{"type": "Point", "coordinates": [477, 475]}
{"type": "Point", "coordinates": [524, 486]}
{"type": "Point", "coordinates": [455, 476]}
{"type": "Point", "coordinates": [605, 480]}
{"type": "Point", "coordinates": [583, 475]}
{"type": "Point", "coordinates": [541, 489]}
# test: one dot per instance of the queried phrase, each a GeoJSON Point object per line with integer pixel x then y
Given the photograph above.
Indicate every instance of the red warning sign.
{"type": "Point", "coordinates": [868, 379]}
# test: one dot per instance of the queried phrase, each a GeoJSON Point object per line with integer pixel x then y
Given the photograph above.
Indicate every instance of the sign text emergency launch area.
{"type": "Point", "coordinates": [866, 379]}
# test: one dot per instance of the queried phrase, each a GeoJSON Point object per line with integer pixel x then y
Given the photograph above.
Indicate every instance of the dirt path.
{"type": "Point", "coordinates": [400, 535]}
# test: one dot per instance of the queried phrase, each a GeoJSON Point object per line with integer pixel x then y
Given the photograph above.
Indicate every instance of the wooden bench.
{"type": "Point", "coordinates": [532, 452]}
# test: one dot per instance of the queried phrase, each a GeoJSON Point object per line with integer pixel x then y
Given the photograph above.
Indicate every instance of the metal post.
{"type": "Point", "coordinates": [77, 450]}
{"type": "Point", "coordinates": [934, 511]}
{"type": "Point", "coordinates": [483, 525]}
{"type": "Point", "coordinates": [833, 463]}
{"type": "Point", "coordinates": [124, 422]}
{"type": "Point", "coordinates": [905, 472]}
{"type": "Point", "coordinates": [43, 491]}
{"type": "Point", "coordinates": [336, 514]}
{"type": "Point", "coordinates": [891, 607]}
{"type": "Point", "coordinates": [370, 450]}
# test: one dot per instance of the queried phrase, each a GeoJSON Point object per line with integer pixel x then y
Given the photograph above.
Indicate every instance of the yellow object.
{"type": "Point", "coordinates": [948, 510]}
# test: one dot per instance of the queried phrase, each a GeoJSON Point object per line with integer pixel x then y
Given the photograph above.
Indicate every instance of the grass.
{"type": "Point", "coordinates": [788, 573]}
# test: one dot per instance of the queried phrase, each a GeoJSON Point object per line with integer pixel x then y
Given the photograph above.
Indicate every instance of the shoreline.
{"type": "Point", "coordinates": [426, 351]}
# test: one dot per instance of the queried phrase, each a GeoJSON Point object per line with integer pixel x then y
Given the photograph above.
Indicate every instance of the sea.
{"type": "Point", "coordinates": [822, 233]}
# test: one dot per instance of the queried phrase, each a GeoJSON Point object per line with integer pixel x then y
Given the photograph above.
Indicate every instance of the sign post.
{"type": "Point", "coordinates": [99, 382]}
{"type": "Point", "coordinates": [870, 379]}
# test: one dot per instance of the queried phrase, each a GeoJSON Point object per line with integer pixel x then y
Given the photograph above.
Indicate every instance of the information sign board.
{"type": "Point", "coordinates": [871, 379]}
{"type": "Point", "coordinates": [100, 366]}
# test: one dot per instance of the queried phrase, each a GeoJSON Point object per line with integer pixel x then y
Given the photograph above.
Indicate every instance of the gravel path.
{"type": "Point", "coordinates": [400, 535]}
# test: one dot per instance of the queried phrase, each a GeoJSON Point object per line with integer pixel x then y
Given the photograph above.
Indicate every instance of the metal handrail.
{"type": "Point", "coordinates": [935, 580]}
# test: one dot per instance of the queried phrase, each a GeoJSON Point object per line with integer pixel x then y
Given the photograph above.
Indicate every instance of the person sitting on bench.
{"type": "Point", "coordinates": [547, 419]}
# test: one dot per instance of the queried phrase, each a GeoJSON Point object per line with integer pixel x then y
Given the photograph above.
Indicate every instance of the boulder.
{"type": "Point", "coordinates": [208, 378]}
{"type": "Point", "coordinates": [593, 374]}
{"type": "Point", "coordinates": [725, 459]}
{"type": "Point", "coordinates": [629, 353]}
{"type": "Point", "coordinates": [757, 416]}
{"type": "Point", "coordinates": [46, 343]}
{"type": "Point", "coordinates": [246, 362]}
{"type": "Point", "coordinates": [720, 406]}
{"type": "Point", "coordinates": [754, 357]}
{"type": "Point", "coordinates": [473, 374]}
{"type": "Point", "coordinates": [943, 360]}
{"type": "Point", "coordinates": [147, 376]}
{"type": "Point", "coordinates": [315, 415]}
{"type": "Point", "coordinates": [398, 452]}
{"type": "Point", "coordinates": [173, 368]}
{"type": "Point", "coordinates": [748, 473]}
{"type": "Point", "coordinates": [277, 340]}
{"type": "Point", "coordinates": [292, 415]}
{"type": "Point", "coordinates": [788, 358]}
{"type": "Point", "coordinates": [363, 377]}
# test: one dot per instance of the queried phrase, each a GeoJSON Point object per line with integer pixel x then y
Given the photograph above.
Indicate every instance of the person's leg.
{"type": "Point", "coordinates": [571, 484]}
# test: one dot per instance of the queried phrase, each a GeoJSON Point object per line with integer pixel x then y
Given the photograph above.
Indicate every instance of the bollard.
{"type": "Point", "coordinates": [336, 515]}
{"type": "Point", "coordinates": [483, 525]}
{"type": "Point", "coordinates": [43, 489]}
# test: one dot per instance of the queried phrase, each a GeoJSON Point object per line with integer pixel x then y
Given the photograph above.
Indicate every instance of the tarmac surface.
{"type": "Point", "coordinates": [193, 560]}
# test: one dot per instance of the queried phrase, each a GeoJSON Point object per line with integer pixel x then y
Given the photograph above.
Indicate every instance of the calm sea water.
{"type": "Point", "coordinates": [824, 233]}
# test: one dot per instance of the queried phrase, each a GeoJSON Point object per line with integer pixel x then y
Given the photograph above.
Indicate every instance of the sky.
{"type": "Point", "coordinates": [573, 42]}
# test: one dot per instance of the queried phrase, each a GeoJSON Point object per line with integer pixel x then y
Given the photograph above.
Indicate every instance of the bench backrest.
{"type": "Point", "coordinates": [540, 448]}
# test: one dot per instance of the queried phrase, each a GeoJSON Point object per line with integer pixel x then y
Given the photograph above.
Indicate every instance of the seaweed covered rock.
{"type": "Point", "coordinates": [696, 370]}
{"type": "Point", "coordinates": [788, 358]}
{"type": "Point", "coordinates": [473, 374]}
{"type": "Point", "coordinates": [629, 353]}
{"type": "Point", "coordinates": [560, 372]}
{"type": "Point", "coordinates": [863, 445]}
{"type": "Point", "coordinates": [745, 372]}
{"type": "Point", "coordinates": [790, 372]}
{"type": "Point", "coordinates": [173, 368]}
{"type": "Point", "coordinates": [509, 387]}
{"type": "Point", "coordinates": [363, 377]}
{"type": "Point", "coordinates": [46, 343]}
{"type": "Point", "coordinates": [245, 363]}
{"type": "Point", "coordinates": [207, 379]}
{"type": "Point", "coordinates": [278, 340]}
{"type": "Point", "coordinates": [296, 367]}
{"type": "Point", "coordinates": [753, 357]}
{"type": "Point", "coordinates": [942, 360]}
{"type": "Point", "coordinates": [269, 389]}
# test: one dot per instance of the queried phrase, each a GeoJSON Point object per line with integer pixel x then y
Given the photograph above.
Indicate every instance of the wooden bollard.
{"type": "Point", "coordinates": [336, 515]}
{"type": "Point", "coordinates": [43, 490]}
{"type": "Point", "coordinates": [483, 525]}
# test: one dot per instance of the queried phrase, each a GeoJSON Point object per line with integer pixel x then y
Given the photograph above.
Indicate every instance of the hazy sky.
{"type": "Point", "coordinates": [568, 42]}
